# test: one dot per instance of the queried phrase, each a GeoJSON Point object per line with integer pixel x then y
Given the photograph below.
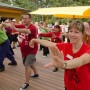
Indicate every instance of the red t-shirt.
{"type": "Point", "coordinates": [78, 78]}
{"type": "Point", "coordinates": [55, 39]}
{"type": "Point", "coordinates": [25, 48]}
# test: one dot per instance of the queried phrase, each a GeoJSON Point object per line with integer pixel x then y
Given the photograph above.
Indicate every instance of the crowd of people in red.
{"type": "Point", "coordinates": [71, 40]}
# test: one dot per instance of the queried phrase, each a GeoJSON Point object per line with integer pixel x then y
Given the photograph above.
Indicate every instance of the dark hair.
{"type": "Point", "coordinates": [57, 26]}
{"type": "Point", "coordinates": [27, 14]}
{"type": "Point", "coordinates": [77, 25]}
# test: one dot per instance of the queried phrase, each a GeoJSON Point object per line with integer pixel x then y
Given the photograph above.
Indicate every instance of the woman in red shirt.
{"type": "Point", "coordinates": [73, 57]}
{"type": "Point", "coordinates": [55, 36]}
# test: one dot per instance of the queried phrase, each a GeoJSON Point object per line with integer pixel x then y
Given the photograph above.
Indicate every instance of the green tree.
{"type": "Point", "coordinates": [35, 4]}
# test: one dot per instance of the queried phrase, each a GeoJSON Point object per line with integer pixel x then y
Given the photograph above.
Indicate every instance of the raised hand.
{"type": "Point", "coordinates": [58, 58]}
{"type": "Point", "coordinates": [31, 43]}
{"type": "Point", "coordinates": [6, 24]}
{"type": "Point", "coordinates": [13, 26]}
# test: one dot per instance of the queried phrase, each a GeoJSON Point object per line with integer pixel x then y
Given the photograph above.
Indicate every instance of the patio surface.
{"type": "Point", "coordinates": [13, 76]}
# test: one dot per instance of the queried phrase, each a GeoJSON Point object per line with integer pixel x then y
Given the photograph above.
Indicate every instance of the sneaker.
{"type": "Point", "coordinates": [55, 70]}
{"type": "Point", "coordinates": [44, 56]}
{"type": "Point", "coordinates": [13, 47]}
{"type": "Point", "coordinates": [24, 86]}
{"type": "Point", "coordinates": [18, 45]}
{"type": "Point", "coordinates": [2, 69]}
{"type": "Point", "coordinates": [11, 63]}
{"type": "Point", "coordinates": [35, 76]}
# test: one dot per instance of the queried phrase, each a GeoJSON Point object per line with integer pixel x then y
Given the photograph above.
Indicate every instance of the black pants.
{"type": "Point", "coordinates": [10, 39]}
{"type": "Point", "coordinates": [65, 89]}
{"type": "Point", "coordinates": [41, 47]}
{"type": "Point", "coordinates": [45, 50]}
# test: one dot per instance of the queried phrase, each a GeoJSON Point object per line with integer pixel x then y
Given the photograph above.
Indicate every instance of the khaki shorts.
{"type": "Point", "coordinates": [29, 60]}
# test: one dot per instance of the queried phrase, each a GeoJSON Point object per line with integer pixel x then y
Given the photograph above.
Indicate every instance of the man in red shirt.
{"type": "Point", "coordinates": [28, 54]}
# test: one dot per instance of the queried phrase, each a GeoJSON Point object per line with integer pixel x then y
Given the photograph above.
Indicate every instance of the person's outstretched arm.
{"type": "Point", "coordinates": [42, 42]}
{"type": "Point", "coordinates": [21, 30]}
{"type": "Point", "coordinates": [58, 60]}
{"type": "Point", "coordinates": [3, 25]}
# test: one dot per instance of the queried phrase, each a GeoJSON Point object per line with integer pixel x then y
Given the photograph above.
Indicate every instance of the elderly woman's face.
{"type": "Point", "coordinates": [87, 28]}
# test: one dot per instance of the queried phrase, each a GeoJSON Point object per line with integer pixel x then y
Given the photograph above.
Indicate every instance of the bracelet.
{"type": "Point", "coordinates": [65, 65]}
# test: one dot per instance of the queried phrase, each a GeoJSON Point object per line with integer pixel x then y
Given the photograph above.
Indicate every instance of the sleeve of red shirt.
{"type": "Point", "coordinates": [33, 30]}
{"type": "Point", "coordinates": [58, 36]}
{"type": "Point", "coordinates": [88, 49]}
{"type": "Point", "coordinates": [45, 34]}
{"type": "Point", "coordinates": [19, 26]}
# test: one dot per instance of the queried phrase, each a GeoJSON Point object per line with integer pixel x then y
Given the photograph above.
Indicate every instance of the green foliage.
{"type": "Point", "coordinates": [35, 4]}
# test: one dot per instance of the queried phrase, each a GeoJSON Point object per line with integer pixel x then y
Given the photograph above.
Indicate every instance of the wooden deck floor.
{"type": "Point", "coordinates": [13, 76]}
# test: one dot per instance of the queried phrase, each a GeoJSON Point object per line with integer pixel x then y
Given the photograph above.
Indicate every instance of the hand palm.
{"type": "Point", "coordinates": [58, 59]}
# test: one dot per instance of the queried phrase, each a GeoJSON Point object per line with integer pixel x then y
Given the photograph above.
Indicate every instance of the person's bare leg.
{"type": "Point", "coordinates": [28, 71]}
{"type": "Point", "coordinates": [34, 69]}
{"type": "Point", "coordinates": [27, 79]}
